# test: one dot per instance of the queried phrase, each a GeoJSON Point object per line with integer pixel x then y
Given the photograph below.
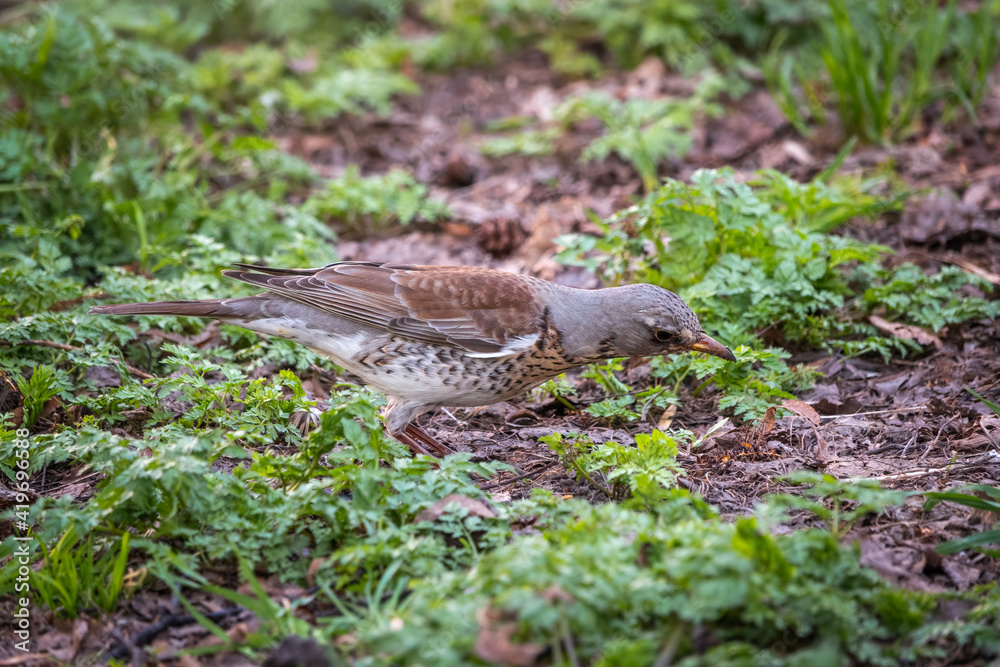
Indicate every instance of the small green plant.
{"type": "Point", "coordinates": [74, 577]}
{"type": "Point", "coordinates": [604, 581]}
{"type": "Point", "coordinates": [620, 398]}
{"type": "Point", "coordinates": [758, 379]}
{"type": "Point", "coordinates": [277, 620]}
{"type": "Point", "coordinates": [976, 496]}
{"type": "Point", "coordinates": [978, 44]}
{"type": "Point", "coordinates": [604, 375]}
{"type": "Point", "coordinates": [931, 301]}
{"type": "Point", "coordinates": [643, 132]}
{"type": "Point", "coordinates": [886, 62]}
{"type": "Point", "coordinates": [865, 72]}
{"type": "Point", "coordinates": [37, 390]}
{"type": "Point", "coordinates": [347, 91]}
{"type": "Point", "coordinates": [558, 388]}
{"type": "Point", "coordinates": [838, 504]}
{"type": "Point", "coordinates": [382, 599]}
{"type": "Point", "coordinates": [687, 36]}
{"type": "Point", "coordinates": [528, 142]}
{"type": "Point", "coordinates": [614, 409]}
{"type": "Point", "coordinates": [374, 202]}
{"type": "Point", "coordinates": [645, 472]}
{"type": "Point", "coordinates": [259, 407]}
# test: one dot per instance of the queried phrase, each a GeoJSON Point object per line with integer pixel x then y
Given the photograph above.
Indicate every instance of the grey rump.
{"type": "Point", "coordinates": [431, 336]}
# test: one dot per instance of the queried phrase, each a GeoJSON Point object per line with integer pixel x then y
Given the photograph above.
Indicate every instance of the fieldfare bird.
{"type": "Point", "coordinates": [435, 336]}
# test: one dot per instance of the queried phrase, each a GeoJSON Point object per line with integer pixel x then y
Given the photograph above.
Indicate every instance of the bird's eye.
{"type": "Point", "coordinates": [663, 336]}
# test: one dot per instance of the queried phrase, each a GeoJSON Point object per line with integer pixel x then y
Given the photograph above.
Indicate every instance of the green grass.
{"type": "Point", "coordinates": [885, 63]}
{"type": "Point", "coordinates": [688, 36]}
{"type": "Point", "coordinates": [982, 497]}
{"type": "Point", "coordinates": [74, 577]}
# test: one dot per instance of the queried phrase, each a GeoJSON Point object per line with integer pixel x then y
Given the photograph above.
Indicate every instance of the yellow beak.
{"type": "Point", "coordinates": [711, 346]}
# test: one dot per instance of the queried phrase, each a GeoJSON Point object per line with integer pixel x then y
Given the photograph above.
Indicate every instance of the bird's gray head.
{"type": "Point", "coordinates": [646, 320]}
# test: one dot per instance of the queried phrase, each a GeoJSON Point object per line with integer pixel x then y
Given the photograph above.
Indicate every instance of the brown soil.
{"type": "Point", "coordinates": [910, 423]}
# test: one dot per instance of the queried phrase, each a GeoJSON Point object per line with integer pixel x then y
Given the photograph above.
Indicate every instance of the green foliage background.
{"type": "Point", "coordinates": [136, 162]}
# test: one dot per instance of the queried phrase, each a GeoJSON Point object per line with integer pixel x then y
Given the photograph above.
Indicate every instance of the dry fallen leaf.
{"type": "Point", "coordinates": [473, 507]}
{"type": "Point", "coordinates": [667, 418]}
{"type": "Point", "coordinates": [768, 423]}
{"type": "Point", "coordinates": [803, 410]}
{"type": "Point", "coordinates": [905, 331]}
{"type": "Point", "coordinates": [313, 569]}
{"type": "Point", "coordinates": [304, 65]}
{"type": "Point", "coordinates": [75, 490]}
{"type": "Point", "coordinates": [807, 412]}
{"type": "Point", "coordinates": [494, 645]}
{"type": "Point", "coordinates": [25, 658]}
{"type": "Point", "coordinates": [556, 594]}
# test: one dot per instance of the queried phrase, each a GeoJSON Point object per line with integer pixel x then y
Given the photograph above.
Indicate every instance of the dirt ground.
{"type": "Point", "coordinates": [910, 423]}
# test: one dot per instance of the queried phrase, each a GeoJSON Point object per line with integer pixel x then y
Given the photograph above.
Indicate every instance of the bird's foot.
{"type": "Point", "coordinates": [421, 442]}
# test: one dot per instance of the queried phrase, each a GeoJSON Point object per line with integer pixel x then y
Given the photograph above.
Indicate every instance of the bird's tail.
{"type": "Point", "coordinates": [220, 308]}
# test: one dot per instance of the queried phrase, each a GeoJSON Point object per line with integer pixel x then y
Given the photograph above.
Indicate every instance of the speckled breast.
{"type": "Point", "coordinates": [448, 376]}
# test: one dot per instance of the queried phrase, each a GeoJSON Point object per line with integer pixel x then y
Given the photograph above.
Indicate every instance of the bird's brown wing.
{"type": "Point", "coordinates": [482, 310]}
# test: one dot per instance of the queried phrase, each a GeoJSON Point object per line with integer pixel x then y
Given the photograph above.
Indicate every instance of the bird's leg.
{"type": "Point", "coordinates": [421, 442]}
{"type": "Point", "coordinates": [415, 446]}
{"type": "Point", "coordinates": [399, 415]}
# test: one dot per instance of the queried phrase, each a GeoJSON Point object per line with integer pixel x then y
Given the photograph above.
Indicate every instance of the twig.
{"type": "Point", "coordinates": [72, 348]}
{"type": "Point", "coordinates": [527, 475]}
{"type": "Point", "coordinates": [66, 485]}
{"type": "Point", "coordinates": [910, 442]}
{"type": "Point", "coordinates": [927, 471]}
{"type": "Point", "coordinates": [989, 436]}
{"type": "Point", "coordinates": [882, 450]}
{"type": "Point", "coordinates": [913, 408]}
{"type": "Point", "coordinates": [937, 437]}
{"type": "Point", "coordinates": [174, 621]}
{"type": "Point", "coordinates": [906, 475]}
{"type": "Point", "coordinates": [888, 448]}
{"type": "Point", "coordinates": [48, 343]}
{"type": "Point", "coordinates": [666, 657]}
{"type": "Point", "coordinates": [568, 638]}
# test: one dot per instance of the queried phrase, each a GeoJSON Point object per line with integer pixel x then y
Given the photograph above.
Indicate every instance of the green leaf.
{"type": "Point", "coordinates": [973, 541]}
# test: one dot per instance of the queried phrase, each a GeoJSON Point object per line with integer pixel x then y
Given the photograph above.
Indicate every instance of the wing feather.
{"type": "Point", "coordinates": [484, 311]}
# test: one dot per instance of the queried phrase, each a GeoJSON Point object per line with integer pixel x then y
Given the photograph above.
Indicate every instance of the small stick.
{"type": "Point", "coordinates": [527, 475]}
{"type": "Point", "coordinates": [71, 348]}
{"type": "Point", "coordinates": [876, 412]}
{"type": "Point", "coordinates": [174, 621]}
{"type": "Point", "coordinates": [938, 436]}
{"type": "Point", "coordinates": [923, 473]}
